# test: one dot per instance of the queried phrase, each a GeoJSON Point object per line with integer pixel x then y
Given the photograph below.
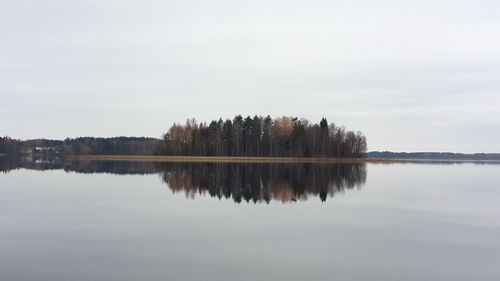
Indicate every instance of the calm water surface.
{"type": "Point", "coordinates": [150, 221]}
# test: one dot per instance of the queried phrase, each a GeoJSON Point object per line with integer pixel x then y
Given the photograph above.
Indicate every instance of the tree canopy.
{"type": "Point", "coordinates": [262, 137]}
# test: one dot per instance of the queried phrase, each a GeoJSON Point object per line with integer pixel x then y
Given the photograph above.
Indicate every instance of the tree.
{"type": "Point", "coordinates": [263, 136]}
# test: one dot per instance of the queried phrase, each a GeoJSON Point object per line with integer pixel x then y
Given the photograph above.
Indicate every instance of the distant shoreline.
{"type": "Point", "coordinates": [218, 159]}
{"type": "Point", "coordinates": [439, 156]}
{"type": "Point", "coordinates": [223, 159]}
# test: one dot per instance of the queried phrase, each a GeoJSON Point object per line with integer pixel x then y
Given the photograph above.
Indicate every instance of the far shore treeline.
{"type": "Point", "coordinates": [242, 137]}
{"type": "Point", "coordinates": [263, 137]}
{"type": "Point", "coordinates": [81, 146]}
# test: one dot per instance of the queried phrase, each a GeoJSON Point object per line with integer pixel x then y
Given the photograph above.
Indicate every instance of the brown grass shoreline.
{"type": "Point", "coordinates": [218, 159]}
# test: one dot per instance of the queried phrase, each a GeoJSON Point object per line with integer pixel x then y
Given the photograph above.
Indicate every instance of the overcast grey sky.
{"type": "Point", "coordinates": [412, 75]}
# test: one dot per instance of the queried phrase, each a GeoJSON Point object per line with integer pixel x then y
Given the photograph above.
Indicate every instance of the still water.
{"type": "Point", "coordinates": [178, 221]}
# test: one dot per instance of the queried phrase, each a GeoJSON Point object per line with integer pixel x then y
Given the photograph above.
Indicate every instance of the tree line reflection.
{"type": "Point", "coordinates": [262, 182]}
{"type": "Point", "coordinates": [8, 164]}
{"type": "Point", "coordinates": [250, 182]}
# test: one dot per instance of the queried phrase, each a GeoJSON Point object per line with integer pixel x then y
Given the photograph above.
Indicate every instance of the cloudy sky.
{"type": "Point", "coordinates": [412, 75]}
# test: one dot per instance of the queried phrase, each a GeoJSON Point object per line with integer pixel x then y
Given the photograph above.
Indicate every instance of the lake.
{"type": "Point", "coordinates": [218, 221]}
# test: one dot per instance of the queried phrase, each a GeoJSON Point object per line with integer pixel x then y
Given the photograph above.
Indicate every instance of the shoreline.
{"type": "Point", "coordinates": [224, 159]}
{"type": "Point", "coordinates": [229, 159]}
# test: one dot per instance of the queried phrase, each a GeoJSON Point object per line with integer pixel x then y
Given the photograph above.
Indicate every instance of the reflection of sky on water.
{"type": "Point", "coordinates": [408, 222]}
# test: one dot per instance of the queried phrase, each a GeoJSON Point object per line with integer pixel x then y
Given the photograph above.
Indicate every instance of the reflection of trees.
{"type": "Point", "coordinates": [7, 164]}
{"type": "Point", "coordinates": [87, 167]}
{"type": "Point", "coordinates": [110, 167]}
{"type": "Point", "coordinates": [259, 182]}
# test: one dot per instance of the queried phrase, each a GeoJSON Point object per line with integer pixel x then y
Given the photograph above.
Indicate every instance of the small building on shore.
{"type": "Point", "coordinates": [46, 149]}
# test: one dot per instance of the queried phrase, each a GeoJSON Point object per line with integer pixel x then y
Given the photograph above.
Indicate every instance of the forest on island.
{"type": "Point", "coordinates": [262, 137]}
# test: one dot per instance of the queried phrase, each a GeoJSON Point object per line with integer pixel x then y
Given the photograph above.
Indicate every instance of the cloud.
{"type": "Point", "coordinates": [411, 75]}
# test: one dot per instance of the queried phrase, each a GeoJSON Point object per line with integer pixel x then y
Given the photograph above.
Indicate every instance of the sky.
{"type": "Point", "coordinates": [411, 75]}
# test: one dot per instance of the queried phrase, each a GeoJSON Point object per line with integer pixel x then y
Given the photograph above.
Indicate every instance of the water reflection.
{"type": "Point", "coordinates": [8, 164]}
{"type": "Point", "coordinates": [262, 182]}
{"type": "Point", "coordinates": [250, 182]}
